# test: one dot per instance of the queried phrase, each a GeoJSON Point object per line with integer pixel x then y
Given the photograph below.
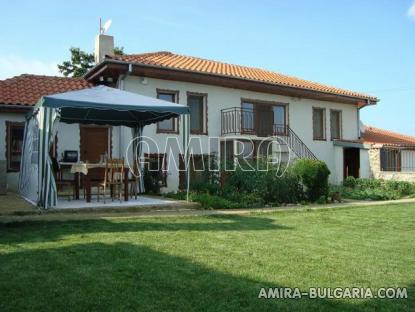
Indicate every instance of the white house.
{"type": "Point", "coordinates": [237, 105]}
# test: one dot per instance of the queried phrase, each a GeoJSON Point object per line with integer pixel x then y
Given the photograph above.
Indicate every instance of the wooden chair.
{"type": "Point", "coordinates": [113, 178]}
{"type": "Point", "coordinates": [60, 181]}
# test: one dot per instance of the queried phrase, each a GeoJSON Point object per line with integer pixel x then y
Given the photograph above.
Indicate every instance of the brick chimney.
{"type": "Point", "coordinates": [104, 45]}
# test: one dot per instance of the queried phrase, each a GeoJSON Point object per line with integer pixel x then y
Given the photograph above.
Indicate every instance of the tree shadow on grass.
{"type": "Point", "coordinates": [40, 231]}
{"type": "Point", "coordinates": [125, 277]}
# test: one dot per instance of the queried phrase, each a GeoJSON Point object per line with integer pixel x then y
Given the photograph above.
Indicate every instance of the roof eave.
{"type": "Point", "coordinates": [15, 108]}
{"type": "Point", "coordinates": [100, 68]}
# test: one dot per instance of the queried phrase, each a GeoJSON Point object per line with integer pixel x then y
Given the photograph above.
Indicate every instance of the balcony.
{"type": "Point", "coordinates": [260, 123]}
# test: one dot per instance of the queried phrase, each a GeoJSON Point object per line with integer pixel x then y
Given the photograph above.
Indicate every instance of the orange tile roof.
{"type": "Point", "coordinates": [376, 135]}
{"type": "Point", "coordinates": [195, 64]}
{"type": "Point", "coordinates": [27, 89]}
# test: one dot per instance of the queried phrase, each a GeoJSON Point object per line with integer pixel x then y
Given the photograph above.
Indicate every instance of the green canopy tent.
{"type": "Point", "coordinates": [99, 105]}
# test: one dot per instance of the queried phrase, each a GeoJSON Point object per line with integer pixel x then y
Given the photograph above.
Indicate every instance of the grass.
{"type": "Point", "coordinates": [211, 263]}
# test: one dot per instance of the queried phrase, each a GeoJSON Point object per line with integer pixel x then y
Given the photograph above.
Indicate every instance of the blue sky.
{"type": "Point", "coordinates": [364, 45]}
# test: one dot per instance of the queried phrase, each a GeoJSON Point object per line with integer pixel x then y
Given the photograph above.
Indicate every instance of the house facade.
{"type": "Point", "coordinates": [233, 109]}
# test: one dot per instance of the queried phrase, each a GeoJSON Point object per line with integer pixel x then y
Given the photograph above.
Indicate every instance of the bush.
{"type": "Point", "coordinates": [314, 176]}
{"type": "Point", "coordinates": [350, 182]}
{"type": "Point", "coordinates": [264, 186]}
{"type": "Point", "coordinates": [402, 187]}
{"type": "Point", "coordinates": [368, 189]}
{"type": "Point", "coordinates": [213, 201]}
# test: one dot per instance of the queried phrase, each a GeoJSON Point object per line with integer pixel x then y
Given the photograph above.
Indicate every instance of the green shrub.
{"type": "Point", "coordinates": [181, 195]}
{"type": "Point", "coordinates": [350, 182]}
{"type": "Point", "coordinates": [213, 201]}
{"type": "Point", "coordinates": [402, 187]}
{"type": "Point", "coordinates": [204, 187]}
{"type": "Point", "coordinates": [314, 176]}
{"type": "Point", "coordinates": [368, 189]}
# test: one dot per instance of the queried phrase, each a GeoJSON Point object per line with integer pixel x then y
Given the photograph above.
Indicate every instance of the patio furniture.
{"type": "Point", "coordinates": [91, 180]}
{"type": "Point", "coordinates": [113, 178]}
{"type": "Point", "coordinates": [60, 181]}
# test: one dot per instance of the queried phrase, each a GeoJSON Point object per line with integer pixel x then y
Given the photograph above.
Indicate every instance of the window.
{"type": "Point", "coordinates": [226, 150]}
{"type": "Point", "coordinates": [246, 149]}
{"type": "Point", "coordinates": [390, 159]}
{"type": "Point", "coordinates": [155, 166]}
{"type": "Point", "coordinates": [408, 160]}
{"type": "Point", "coordinates": [336, 124]}
{"type": "Point", "coordinates": [198, 169]}
{"type": "Point", "coordinates": [319, 124]}
{"type": "Point", "coordinates": [279, 119]}
{"type": "Point", "coordinates": [248, 120]}
{"type": "Point", "coordinates": [169, 125]}
{"type": "Point", "coordinates": [198, 112]}
{"type": "Point", "coordinates": [263, 149]}
{"type": "Point", "coordinates": [14, 141]}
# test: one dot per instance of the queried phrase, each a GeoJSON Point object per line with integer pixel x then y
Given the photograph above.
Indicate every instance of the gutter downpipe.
{"type": "Point", "coordinates": [121, 86]}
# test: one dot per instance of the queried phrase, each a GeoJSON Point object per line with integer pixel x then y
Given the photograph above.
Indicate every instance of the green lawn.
{"type": "Point", "coordinates": [214, 263]}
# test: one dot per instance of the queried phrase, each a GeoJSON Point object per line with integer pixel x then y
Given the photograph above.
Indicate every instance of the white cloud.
{"type": "Point", "coordinates": [13, 65]}
{"type": "Point", "coordinates": [411, 11]}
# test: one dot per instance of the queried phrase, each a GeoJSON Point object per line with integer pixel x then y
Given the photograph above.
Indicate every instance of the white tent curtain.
{"type": "Point", "coordinates": [36, 181]}
{"type": "Point", "coordinates": [29, 173]}
{"type": "Point", "coordinates": [48, 195]}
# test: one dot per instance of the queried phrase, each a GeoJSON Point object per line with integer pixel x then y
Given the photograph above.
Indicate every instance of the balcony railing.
{"type": "Point", "coordinates": [237, 120]}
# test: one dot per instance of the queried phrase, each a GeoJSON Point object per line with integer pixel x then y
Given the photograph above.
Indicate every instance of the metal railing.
{"type": "Point", "coordinates": [237, 120]}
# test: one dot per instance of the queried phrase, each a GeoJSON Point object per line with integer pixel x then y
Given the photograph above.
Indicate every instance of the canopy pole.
{"type": "Point", "coordinates": [186, 140]}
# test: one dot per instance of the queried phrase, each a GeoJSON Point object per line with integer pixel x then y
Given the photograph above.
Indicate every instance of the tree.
{"type": "Point", "coordinates": [81, 62]}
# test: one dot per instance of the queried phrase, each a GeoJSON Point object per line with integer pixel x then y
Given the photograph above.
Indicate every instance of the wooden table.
{"type": "Point", "coordinates": [78, 168]}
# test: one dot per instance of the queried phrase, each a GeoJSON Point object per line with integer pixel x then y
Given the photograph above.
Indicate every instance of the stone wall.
{"type": "Point", "coordinates": [376, 173]}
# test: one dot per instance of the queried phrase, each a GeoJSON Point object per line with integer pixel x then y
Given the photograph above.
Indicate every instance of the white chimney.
{"type": "Point", "coordinates": [104, 45]}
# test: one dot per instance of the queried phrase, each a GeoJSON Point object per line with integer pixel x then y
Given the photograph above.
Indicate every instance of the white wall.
{"type": "Point", "coordinates": [365, 164]}
{"type": "Point", "coordinates": [299, 116]}
{"type": "Point", "coordinates": [337, 173]}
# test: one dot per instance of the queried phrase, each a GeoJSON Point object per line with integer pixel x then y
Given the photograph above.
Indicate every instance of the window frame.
{"type": "Point", "coordinates": [192, 173]}
{"type": "Point", "coordinates": [273, 104]}
{"type": "Point", "coordinates": [9, 126]}
{"type": "Point", "coordinates": [176, 94]}
{"type": "Point", "coordinates": [385, 151]}
{"type": "Point", "coordinates": [163, 170]}
{"type": "Point", "coordinates": [205, 112]}
{"type": "Point", "coordinates": [340, 112]}
{"type": "Point", "coordinates": [324, 137]}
